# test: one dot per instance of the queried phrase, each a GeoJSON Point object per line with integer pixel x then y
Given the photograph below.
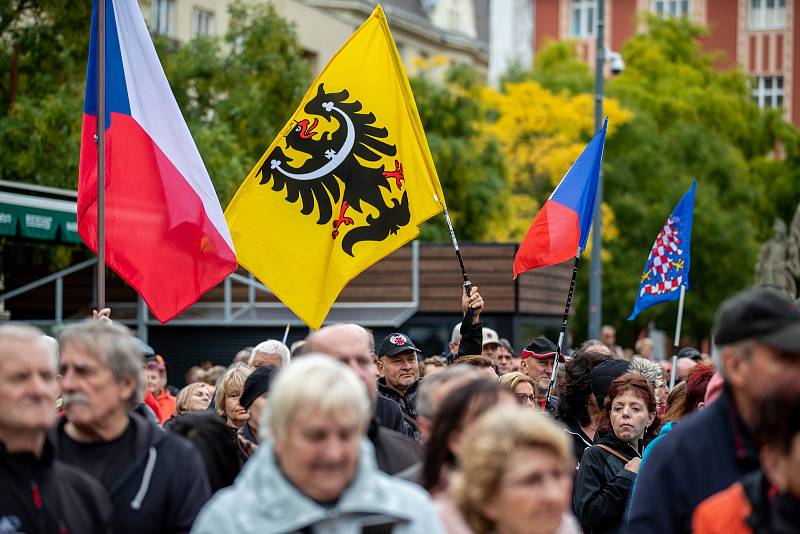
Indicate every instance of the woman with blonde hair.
{"type": "Point", "coordinates": [229, 390]}
{"type": "Point", "coordinates": [522, 386]}
{"type": "Point", "coordinates": [516, 474]}
{"type": "Point", "coordinates": [193, 398]}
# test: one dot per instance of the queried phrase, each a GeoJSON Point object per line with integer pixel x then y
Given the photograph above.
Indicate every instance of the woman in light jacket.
{"type": "Point", "coordinates": [315, 471]}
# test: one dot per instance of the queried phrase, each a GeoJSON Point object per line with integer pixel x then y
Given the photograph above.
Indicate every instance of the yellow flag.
{"type": "Point", "coordinates": [347, 181]}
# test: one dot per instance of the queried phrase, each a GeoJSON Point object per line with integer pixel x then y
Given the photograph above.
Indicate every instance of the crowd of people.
{"type": "Point", "coordinates": [338, 433]}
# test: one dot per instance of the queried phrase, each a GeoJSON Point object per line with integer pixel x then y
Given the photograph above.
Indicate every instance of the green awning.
{"type": "Point", "coordinates": [38, 218]}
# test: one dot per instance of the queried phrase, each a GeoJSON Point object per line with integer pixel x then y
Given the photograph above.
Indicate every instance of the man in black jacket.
{"type": "Point", "coordinates": [156, 479]}
{"type": "Point", "coordinates": [397, 362]}
{"type": "Point", "coordinates": [351, 344]}
{"type": "Point", "coordinates": [38, 494]}
{"type": "Point", "coordinates": [758, 338]}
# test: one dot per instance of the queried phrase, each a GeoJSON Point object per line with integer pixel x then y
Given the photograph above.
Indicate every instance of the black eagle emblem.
{"type": "Point", "coordinates": [333, 176]}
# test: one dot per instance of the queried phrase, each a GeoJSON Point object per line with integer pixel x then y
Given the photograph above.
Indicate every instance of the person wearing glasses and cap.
{"type": "Point", "coordinates": [397, 362]}
{"type": "Point", "coordinates": [537, 363]}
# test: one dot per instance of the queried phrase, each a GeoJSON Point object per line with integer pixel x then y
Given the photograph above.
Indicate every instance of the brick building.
{"type": "Point", "coordinates": [761, 36]}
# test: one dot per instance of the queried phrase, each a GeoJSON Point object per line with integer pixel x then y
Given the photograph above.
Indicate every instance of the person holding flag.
{"type": "Point", "coordinates": [666, 271]}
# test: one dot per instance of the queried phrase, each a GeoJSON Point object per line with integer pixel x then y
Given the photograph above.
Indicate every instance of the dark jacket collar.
{"type": "Point", "coordinates": [27, 461]}
{"type": "Point", "coordinates": [744, 446]}
{"type": "Point", "coordinates": [392, 393]}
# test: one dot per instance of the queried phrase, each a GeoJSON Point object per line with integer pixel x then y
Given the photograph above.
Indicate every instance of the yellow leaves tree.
{"type": "Point", "coordinates": [541, 134]}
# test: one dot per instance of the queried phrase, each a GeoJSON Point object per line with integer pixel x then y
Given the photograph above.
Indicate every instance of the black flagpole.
{"type": "Point", "coordinates": [467, 284]}
{"type": "Point", "coordinates": [563, 333]}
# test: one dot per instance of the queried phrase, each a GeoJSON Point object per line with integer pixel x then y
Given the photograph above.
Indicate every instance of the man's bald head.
{"type": "Point", "coordinates": [351, 344]}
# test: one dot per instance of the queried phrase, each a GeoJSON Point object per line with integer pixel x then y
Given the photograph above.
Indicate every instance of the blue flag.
{"type": "Point", "coordinates": [667, 267]}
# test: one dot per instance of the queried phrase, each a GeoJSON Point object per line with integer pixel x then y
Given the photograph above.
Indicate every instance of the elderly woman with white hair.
{"type": "Point", "coordinates": [315, 471]}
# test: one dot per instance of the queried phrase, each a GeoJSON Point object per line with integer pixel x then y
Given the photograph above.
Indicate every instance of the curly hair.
{"type": "Point", "coordinates": [488, 446]}
{"type": "Point", "coordinates": [578, 385]}
{"type": "Point", "coordinates": [636, 384]}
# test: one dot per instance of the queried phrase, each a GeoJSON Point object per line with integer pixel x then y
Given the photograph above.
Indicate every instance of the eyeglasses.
{"type": "Point", "coordinates": [521, 397]}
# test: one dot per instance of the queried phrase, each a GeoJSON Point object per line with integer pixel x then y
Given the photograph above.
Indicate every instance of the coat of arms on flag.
{"type": "Point", "coordinates": [348, 180]}
{"type": "Point", "coordinates": [667, 266]}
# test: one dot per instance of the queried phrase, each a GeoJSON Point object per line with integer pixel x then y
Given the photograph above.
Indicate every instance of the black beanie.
{"type": "Point", "coordinates": [257, 384]}
{"type": "Point", "coordinates": [602, 376]}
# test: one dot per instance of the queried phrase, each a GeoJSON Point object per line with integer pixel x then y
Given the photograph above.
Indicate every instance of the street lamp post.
{"type": "Point", "coordinates": [596, 267]}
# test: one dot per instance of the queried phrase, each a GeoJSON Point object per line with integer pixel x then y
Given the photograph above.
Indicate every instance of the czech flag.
{"type": "Point", "coordinates": [561, 227]}
{"type": "Point", "coordinates": [165, 233]}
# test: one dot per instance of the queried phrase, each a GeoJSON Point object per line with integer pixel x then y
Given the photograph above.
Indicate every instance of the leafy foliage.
{"type": "Point", "coordinates": [690, 121]}
{"type": "Point", "coordinates": [468, 162]}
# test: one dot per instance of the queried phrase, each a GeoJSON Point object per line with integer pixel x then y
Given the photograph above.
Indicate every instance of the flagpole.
{"type": "Point", "coordinates": [101, 153]}
{"type": "Point", "coordinates": [563, 332]}
{"type": "Point", "coordinates": [467, 284]}
{"type": "Point", "coordinates": [676, 344]}
{"type": "Point", "coordinates": [286, 333]}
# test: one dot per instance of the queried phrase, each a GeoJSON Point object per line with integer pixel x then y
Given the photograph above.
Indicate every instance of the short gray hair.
{"type": "Point", "coordinates": [271, 346]}
{"type": "Point", "coordinates": [315, 382]}
{"type": "Point", "coordinates": [425, 407]}
{"type": "Point", "coordinates": [114, 346]}
{"type": "Point", "coordinates": [25, 332]}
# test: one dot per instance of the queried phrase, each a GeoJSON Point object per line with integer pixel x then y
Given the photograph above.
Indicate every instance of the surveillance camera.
{"type": "Point", "coordinates": [615, 62]}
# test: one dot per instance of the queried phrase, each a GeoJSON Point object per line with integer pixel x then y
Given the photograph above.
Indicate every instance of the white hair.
{"type": "Point", "coordinates": [315, 383]}
{"type": "Point", "coordinates": [651, 371]}
{"type": "Point", "coordinates": [271, 346]}
{"type": "Point", "coordinates": [24, 332]}
{"type": "Point", "coordinates": [52, 344]}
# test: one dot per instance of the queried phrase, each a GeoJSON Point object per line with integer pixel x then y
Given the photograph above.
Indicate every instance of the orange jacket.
{"type": "Point", "coordinates": [725, 512]}
{"type": "Point", "coordinates": [166, 405]}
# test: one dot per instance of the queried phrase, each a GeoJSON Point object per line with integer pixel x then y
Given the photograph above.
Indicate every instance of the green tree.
{"type": "Point", "coordinates": [469, 163]}
{"type": "Point", "coordinates": [235, 92]}
{"type": "Point", "coordinates": [556, 68]}
{"type": "Point", "coordinates": [690, 121]}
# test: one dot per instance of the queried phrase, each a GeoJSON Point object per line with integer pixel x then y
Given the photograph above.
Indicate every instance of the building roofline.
{"type": "Point", "coordinates": [413, 24]}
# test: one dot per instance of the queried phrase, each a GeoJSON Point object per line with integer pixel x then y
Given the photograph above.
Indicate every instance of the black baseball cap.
{"type": "Point", "coordinates": [395, 344]}
{"type": "Point", "coordinates": [765, 314]}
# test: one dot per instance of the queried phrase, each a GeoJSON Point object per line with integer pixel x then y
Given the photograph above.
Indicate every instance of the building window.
{"type": "Point", "coordinates": [163, 13]}
{"type": "Point", "coordinates": [583, 18]}
{"type": "Point", "coordinates": [768, 91]}
{"type": "Point", "coordinates": [767, 14]}
{"type": "Point", "coordinates": [202, 22]}
{"type": "Point", "coordinates": [671, 8]}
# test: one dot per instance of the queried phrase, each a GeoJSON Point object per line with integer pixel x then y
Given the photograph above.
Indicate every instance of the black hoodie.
{"type": "Point", "coordinates": [603, 485]}
{"type": "Point", "coordinates": [163, 486]}
{"type": "Point", "coordinates": [44, 495]}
